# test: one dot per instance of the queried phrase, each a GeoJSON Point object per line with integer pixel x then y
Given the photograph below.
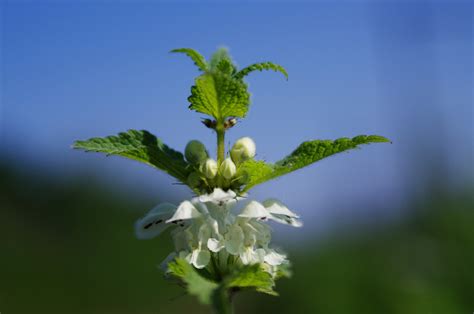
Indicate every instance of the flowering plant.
{"type": "Point", "coordinates": [221, 237]}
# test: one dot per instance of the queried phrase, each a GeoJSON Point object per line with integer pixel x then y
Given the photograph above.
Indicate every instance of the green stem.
{"type": "Point", "coordinates": [221, 302]}
{"type": "Point", "coordinates": [220, 142]}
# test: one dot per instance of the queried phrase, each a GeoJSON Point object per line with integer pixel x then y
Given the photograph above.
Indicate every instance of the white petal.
{"type": "Point", "coordinates": [276, 207]}
{"type": "Point", "coordinates": [261, 255]}
{"type": "Point", "coordinates": [263, 233]}
{"type": "Point", "coordinates": [254, 210]}
{"type": "Point", "coordinates": [280, 213]}
{"type": "Point", "coordinates": [286, 220]}
{"type": "Point", "coordinates": [273, 258]}
{"type": "Point", "coordinates": [218, 196]}
{"type": "Point", "coordinates": [186, 210]}
{"type": "Point", "coordinates": [153, 223]}
{"type": "Point", "coordinates": [204, 233]}
{"type": "Point", "coordinates": [214, 225]}
{"type": "Point", "coordinates": [201, 207]}
{"type": "Point", "coordinates": [200, 258]}
{"type": "Point", "coordinates": [247, 256]}
{"type": "Point", "coordinates": [215, 245]}
{"type": "Point", "coordinates": [234, 239]}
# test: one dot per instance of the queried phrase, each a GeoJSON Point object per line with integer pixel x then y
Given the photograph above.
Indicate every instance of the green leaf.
{"type": "Point", "coordinates": [283, 271]}
{"type": "Point", "coordinates": [196, 285]}
{"type": "Point", "coordinates": [219, 95]}
{"type": "Point", "coordinates": [253, 277]}
{"type": "Point", "coordinates": [260, 67]}
{"type": "Point", "coordinates": [257, 172]}
{"type": "Point", "coordinates": [198, 59]}
{"type": "Point", "coordinates": [141, 146]}
{"type": "Point", "coordinates": [221, 54]}
{"type": "Point", "coordinates": [225, 66]}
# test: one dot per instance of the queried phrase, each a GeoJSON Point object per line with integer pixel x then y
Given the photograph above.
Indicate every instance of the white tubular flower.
{"type": "Point", "coordinates": [218, 196]}
{"type": "Point", "coordinates": [200, 258]}
{"type": "Point", "coordinates": [251, 256]}
{"type": "Point", "coordinates": [153, 223]}
{"type": "Point", "coordinates": [263, 233]}
{"type": "Point", "coordinates": [215, 245]}
{"type": "Point", "coordinates": [210, 168]}
{"type": "Point", "coordinates": [243, 149]}
{"type": "Point", "coordinates": [207, 229]}
{"type": "Point", "coordinates": [234, 239]}
{"type": "Point", "coordinates": [228, 169]}
{"type": "Point", "coordinates": [273, 258]}
{"type": "Point", "coordinates": [280, 213]}
{"type": "Point", "coordinates": [200, 255]}
{"type": "Point", "coordinates": [254, 210]}
{"type": "Point", "coordinates": [185, 211]}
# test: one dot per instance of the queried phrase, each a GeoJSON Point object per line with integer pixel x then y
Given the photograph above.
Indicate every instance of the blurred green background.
{"type": "Point", "coordinates": [387, 229]}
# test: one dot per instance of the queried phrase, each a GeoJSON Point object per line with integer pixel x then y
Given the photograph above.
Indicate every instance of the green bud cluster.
{"type": "Point", "coordinates": [207, 174]}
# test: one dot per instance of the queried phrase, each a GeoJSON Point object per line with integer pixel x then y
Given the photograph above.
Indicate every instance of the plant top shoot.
{"type": "Point", "coordinates": [222, 242]}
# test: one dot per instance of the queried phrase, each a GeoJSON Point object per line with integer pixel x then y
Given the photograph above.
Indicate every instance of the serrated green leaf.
{"type": "Point", "coordinates": [225, 66]}
{"type": "Point", "coordinates": [141, 146]}
{"type": "Point", "coordinates": [196, 285]}
{"type": "Point", "coordinates": [218, 56]}
{"type": "Point", "coordinates": [260, 67]}
{"type": "Point", "coordinates": [251, 276]}
{"type": "Point", "coordinates": [257, 172]}
{"type": "Point", "coordinates": [219, 95]}
{"type": "Point", "coordinates": [198, 59]}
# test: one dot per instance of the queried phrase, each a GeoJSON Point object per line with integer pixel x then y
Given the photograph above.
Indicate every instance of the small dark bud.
{"type": "Point", "coordinates": [211, 124]}
{"type": "Point", "coordinates": [230, 123]}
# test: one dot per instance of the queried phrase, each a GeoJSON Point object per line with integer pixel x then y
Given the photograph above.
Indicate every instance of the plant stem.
{"type": "Point", "coordinates": [220, 142]}
{"type": "Point", "coordinates": [222, 302]}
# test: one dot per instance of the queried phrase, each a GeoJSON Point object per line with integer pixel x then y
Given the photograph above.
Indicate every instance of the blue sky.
{"type": "Point", "coordinates": [73, 70]}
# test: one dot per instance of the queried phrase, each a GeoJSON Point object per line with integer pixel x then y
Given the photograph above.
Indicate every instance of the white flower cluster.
{"type": "Point", "coordinates": [206, 229]}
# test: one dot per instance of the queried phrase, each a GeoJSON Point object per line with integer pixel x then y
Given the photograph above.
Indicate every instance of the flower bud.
{"type": "Point", "coordinates": [194, 180]}
{"type": "Point", "coordinates": [210, 168]}
{"type": "Point", "coordinates": [196, 152]}
{"type": "Point", "coordinates": [243, 149]}
{"type": "Point", "coordinates": [227, 169]}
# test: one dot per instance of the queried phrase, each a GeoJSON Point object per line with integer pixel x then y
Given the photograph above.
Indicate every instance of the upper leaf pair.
{"type": "Point", "coordinates": [145, 147]}
{"type": "Point", "coordinates": [220, 91]}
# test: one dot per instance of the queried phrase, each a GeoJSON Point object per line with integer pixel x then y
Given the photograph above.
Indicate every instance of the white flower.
{"type": "Point", "coordinates": [186, 210]}
{"type": "Point", "coordinates": [254, 210]}
{"type": "Point", "coordinates": [280, 213]}
{"type": "Point", "coordinates": [218, 196]}
{"type": "Point", "coordinates": [153, 223]}
{"type": "Point", "coordinates": [273, 258]}
{"type": "Point", "coordinates": [243, 149]}
{"type": "Point", "coordinates": [207, 228]}
{"type": "Point", "coordinates": [234, 239]}
{"type": "Point", "coordinates": [271, 209]}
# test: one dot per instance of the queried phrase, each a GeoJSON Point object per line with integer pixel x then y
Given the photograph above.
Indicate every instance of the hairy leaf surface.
{"type": "Point", "coordinates": [196, 284]}
{"type": "Point", "coordinates": [260, 67]}
{"type": "Point", "coordinates": [219, 95]}
{"type": "Point", "coordinates": [141, 146]}
{"type": "Point", "coordinates": [198, 59]}
{"type": "Point", "coordinates": [257, 172]}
